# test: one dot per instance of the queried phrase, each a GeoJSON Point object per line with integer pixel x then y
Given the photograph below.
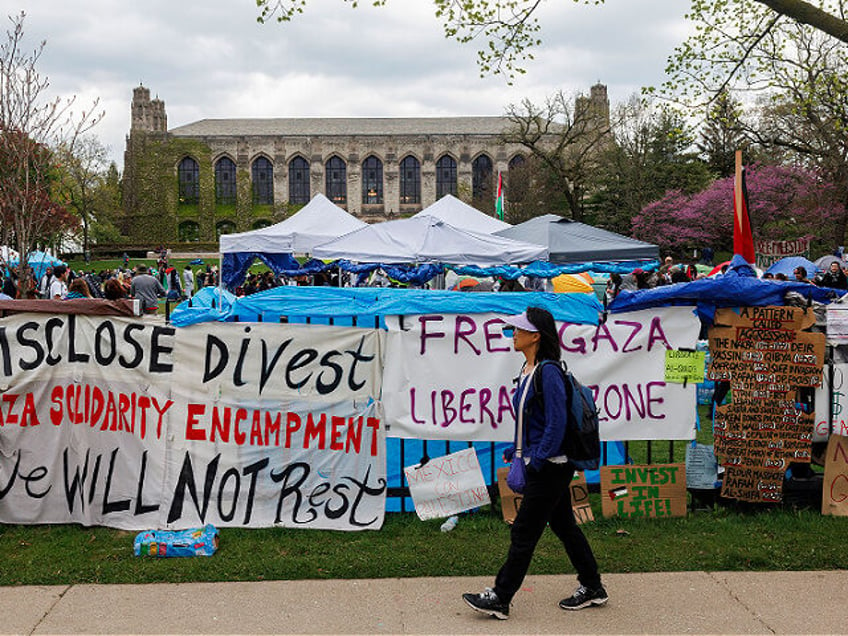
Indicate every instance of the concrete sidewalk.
{"type": "Point", "coordinates": [656, 603]}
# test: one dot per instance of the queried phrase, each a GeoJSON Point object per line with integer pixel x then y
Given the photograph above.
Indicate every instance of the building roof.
{"type": "Point", "coordinates": [327, 126]}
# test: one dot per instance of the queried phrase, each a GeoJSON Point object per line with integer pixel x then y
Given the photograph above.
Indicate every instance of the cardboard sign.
{"type": "Point", "coordinates": [684, 366]}
{"type": "Point", "coordinates": [655, 490]}
{"type": "Point", "coordinates": [447, 485]}
{"type": "Point", "coordinates": [753, 483]}
{"type": "Point", "coordinates": [835, 486]}
{"type": "Point", "coordinates": [765, 356]}
{"type": "Point", "coordinates": [511, 501]}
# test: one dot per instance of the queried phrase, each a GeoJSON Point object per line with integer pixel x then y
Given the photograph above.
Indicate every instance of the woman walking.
{"type": "Point", "coordinates": [547, 495]}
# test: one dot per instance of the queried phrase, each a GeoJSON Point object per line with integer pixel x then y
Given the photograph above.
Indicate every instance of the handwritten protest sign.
{"type": "Point", "coordinates": [131, 424]}
{"type": "Point", "coordinates": [765, 356]}
{"type": "Point", "coordinates": [835, 484]}
{"type": "Point", "coordinates": [451, 376]}
{"type": "Point", "coordinates": [447, 485]}
{"type": "Point", "coordinates": [684, 366]}
{"type": "Point", "coordinates": [511, 501]}
{"type": "Point", "coordinates": [655, 490]}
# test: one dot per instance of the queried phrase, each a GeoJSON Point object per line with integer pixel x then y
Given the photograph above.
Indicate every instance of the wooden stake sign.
{"type": "Point", "coordinates": [654, 490]}
{"type": "Point", "coordinates": [766, 357]}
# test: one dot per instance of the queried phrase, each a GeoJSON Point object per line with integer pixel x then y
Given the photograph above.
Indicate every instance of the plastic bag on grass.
{"type": "Point", "coordinates": [177, 543]}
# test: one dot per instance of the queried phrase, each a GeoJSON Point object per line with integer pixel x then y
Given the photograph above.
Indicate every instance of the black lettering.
{"type": "Point", "coordinates": [73, 356]}
{"type": "Point", "coordinates": [112, 351]}
{"type": "Point", "coordinates": [325, 388]}
{"type": "Point", "coordinates": [157, 349]}
{"type": "Point", "coordinates": [31, 343]}
{"type": "Point", "coordinates": [210, 373]}
{"type": "Point", "coordinates": [139, 352]}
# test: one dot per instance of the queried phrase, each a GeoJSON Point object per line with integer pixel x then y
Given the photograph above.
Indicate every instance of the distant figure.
{"type": "Point", "coordinates": [78, 289]}
{"type": "Point", "coordinates": [188, 281]}
{"type": "Point", "coordinates": [147, 289]}
{"type": "Point", "coordinates": [801, 274]}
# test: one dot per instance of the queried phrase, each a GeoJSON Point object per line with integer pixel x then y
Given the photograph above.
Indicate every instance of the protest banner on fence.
{"type": "Point", "coordinates": [451, 376]}
{"type": "Point", "coordinates": [766, 356]}
{"type": "Point", "coordinates": [839, 397]}
{"type": "Point", "coordinates": [769, 252]}
{"type": "Point", "coordinates": [655, 490]}
{"type": "Point", "coordinates": [511, 501]}
{"type": "Point", "coordinates": [835, 483]}
{"type": "Point", "coordinates": [134, 425]}
{"type": "Point", "coordinates": [447, 485]}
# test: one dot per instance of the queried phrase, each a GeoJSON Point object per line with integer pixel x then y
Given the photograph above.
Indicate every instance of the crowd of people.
{"type": "Point", "coordinates": [62, 283]}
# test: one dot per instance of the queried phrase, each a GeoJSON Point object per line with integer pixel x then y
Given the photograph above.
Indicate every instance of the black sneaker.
{"type": "Point", "coordinates": [584, 597]}
{"type": "Point", "coordinates": [487, 602]}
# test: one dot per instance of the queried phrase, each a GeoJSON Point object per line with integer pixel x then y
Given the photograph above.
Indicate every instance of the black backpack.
{"type": "Point", "coordinates": [582, 442]}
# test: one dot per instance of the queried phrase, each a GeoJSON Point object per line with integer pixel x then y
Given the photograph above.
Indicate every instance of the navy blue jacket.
{"type": "Point", "coordinates": [544, 428]}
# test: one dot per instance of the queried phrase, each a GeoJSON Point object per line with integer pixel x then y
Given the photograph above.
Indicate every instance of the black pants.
{"type": "Point", "coordinates": [547, 500]}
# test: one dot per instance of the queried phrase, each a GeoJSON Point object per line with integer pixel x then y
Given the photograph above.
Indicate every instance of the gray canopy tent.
{"type": "Point", "coordinates": [573, 242]}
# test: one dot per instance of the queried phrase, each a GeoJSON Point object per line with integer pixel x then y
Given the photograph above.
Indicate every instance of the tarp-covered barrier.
{"type": "Point", "coordinates": [344, 302]}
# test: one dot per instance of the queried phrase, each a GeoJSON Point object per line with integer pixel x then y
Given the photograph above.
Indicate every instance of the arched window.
{"type": "Point", "coordinates": [258, 225]}
{"type": "Point", "coordinates": [372, 181]}
{"type": "Point", "coordinates": [481, 179]}
{"type": "Point", "coordinates": [410, 180]}
{"type": "Point", "coordinates": [262, 175]}
{"type": "Point", "coordinates": [224, 227]}
{"type": "Point", "coordinates": [225, 181]}
{"type": "Point", "coordinates": [188, 231]}
{"type": "Point", "coordinates": [517, 182]}
{"type": "Point", "coordinates": [298, 181]}
{"type": "Point", "coordinates": [336, 180]}
{"type": "Point", "coordinates": [188, 176]}
{"type": "Point", "coordinates": [445, 176]}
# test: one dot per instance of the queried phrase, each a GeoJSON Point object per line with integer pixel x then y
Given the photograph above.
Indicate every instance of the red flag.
{"type": "Point", "coordinates": [743, 237]}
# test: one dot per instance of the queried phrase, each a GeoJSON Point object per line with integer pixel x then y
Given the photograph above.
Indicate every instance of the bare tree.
{"type": "Point", "coordinates": [31, 125]}
{"type": "Point", "coordinates": [566, 136]}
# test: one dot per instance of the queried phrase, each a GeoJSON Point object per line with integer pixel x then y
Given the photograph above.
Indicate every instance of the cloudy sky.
{"type": "Point", "coordinates": [211, 59]}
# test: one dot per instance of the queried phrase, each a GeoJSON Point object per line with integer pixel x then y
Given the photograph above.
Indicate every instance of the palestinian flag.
{"type": "Point", "coordinates": [499, 202]}
{"type": "Point", "coordinates": [743, 237]}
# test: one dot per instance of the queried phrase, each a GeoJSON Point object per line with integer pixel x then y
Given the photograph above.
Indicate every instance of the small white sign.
{"type": "Point", "coordinates": [447, 485]}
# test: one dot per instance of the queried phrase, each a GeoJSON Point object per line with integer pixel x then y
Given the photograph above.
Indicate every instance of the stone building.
{"type": "Point", "coordinates": [215, 176]}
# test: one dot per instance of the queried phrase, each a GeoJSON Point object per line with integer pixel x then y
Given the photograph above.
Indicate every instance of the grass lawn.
{"type": "Point", "coordinates": [717, 539]}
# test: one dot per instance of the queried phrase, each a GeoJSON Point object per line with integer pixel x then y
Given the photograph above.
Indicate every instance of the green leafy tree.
{"type": "Point", "coordinates": [509, 29]}
{"type": "Point", "coordinates": [723, 134]}
{"type": "Point", "coordinates": [83, 171]}
{"type": "Point", "coordinates": [652, 154]}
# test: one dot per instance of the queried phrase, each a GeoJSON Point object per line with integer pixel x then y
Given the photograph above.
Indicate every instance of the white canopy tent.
{"type": "Point", "coordinates": [426, 239]}
{"type": "Point", "coordinates": [463, 216]}
{"type": "Point", "coordinates": [317, 222]}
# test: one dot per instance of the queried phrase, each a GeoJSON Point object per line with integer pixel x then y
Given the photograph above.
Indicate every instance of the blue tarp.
{"type": "Point", "coordinates": [738, 287]}
{"type": "Point", "coordinates": [341, 303]}
{"type": "Point", "coordinates": [38, 262]}
{"type": "Point", "coordinates": [787, 265]}
{"type": "Point", "coordinates": [207, 305]}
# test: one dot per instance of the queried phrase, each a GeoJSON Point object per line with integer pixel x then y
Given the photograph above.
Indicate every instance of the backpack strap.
{"type": "Point", "coordinates": [537, 380]}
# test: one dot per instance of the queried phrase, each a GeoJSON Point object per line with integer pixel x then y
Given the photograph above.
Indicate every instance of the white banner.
{"type": "Point", "coordinates": [134, 425]}
{"type": "Point", "coordinates": [451, 376]}
{"type": "Point", "coordinates": [447, 485]}
{"type": "Point", "coordinates": [840, 403]}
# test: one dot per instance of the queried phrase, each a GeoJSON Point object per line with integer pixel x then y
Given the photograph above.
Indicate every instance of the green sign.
{"type": "Point", "coordinates": [684, 366]}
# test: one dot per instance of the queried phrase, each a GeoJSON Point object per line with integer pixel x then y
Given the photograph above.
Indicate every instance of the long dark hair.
{"type": "Point", "coordinates": [549, 338]}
